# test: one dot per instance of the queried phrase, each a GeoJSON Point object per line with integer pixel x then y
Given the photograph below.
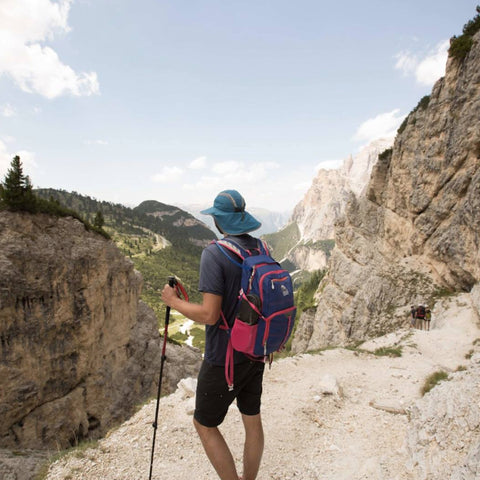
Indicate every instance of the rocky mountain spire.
{"type": "Point", "coordinates": [414, 235]}
{"type": "Point", "coordinates": [327, 197]}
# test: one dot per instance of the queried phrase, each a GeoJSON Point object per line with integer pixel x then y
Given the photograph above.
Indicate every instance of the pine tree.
{"type": "Point", "coordinates": [99, 221]}
{"type": "Point", "coordinates": [17, 192]}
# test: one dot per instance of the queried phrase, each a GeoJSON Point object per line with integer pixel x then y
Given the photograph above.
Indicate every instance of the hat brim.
{"type": "Point", "coordinates": [233, 223]}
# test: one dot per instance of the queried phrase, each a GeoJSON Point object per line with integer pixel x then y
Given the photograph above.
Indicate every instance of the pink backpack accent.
{"type": "Point", "coordinates": [265, 313]}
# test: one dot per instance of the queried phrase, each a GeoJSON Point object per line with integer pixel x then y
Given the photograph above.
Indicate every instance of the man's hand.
{"type": "Point", "coordinates": [168, 295]}
{"type": "Point", "coordinates": [208, 312]}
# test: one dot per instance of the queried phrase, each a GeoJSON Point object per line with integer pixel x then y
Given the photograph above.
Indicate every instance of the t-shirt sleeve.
{"type": "Point", "coordinates": [211, 274]}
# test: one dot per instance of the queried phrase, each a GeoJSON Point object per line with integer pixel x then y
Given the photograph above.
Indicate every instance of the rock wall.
{"type": "Point", "coordinates": [78, 350]}
{"type": "Point", "coordinates": [308, 258]}
{"type": "Point", "coordinates": [443, 438]}
{"type": "Point", "coordinates": [326, 199]}
{"type": "Point", "coordinates": [325, 202]}
{"type": "Point", "coordinates": [416, 231]}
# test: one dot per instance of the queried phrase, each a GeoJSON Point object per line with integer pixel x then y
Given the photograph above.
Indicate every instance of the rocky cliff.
{"type": "Point", "coordinates": [325, 202]}
{"type": "Point", "coordinates": [326, 199]}
{"type": "Point", "coordinates": [78, 350]}
{"type": "Point", "coordinates": [415, 234]}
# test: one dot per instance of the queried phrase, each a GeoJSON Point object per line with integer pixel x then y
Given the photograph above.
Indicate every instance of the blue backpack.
{"type": "Point", "coordinates": [265, 312]}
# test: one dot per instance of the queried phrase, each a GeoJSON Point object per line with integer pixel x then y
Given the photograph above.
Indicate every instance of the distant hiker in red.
{"type": "Point", "coordinates": [219, 284]}
{"type": "Point", "coordinates": [420, 316]}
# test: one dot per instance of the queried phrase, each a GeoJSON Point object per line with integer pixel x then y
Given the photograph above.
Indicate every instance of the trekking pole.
{"type": "Point", "coordinates": [172, 282]}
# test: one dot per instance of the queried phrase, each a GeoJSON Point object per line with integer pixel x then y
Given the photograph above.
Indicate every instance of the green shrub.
{"type": "Point", "coordinates": [433, 380]}
{"type": "Point", "coordinates": [304, 296]}
{"type": "Point", "coordinates": [282, 241]}
{"type": "Point", "coordinates": [198, 334]}
{"type": "Point", "coordinates": [388, 352]}
{"type": "Point", "coordinates": [403, 125]}
{"type": "Point", "coordinates": [179, 337]}
{"type": "Point", "coordinates": [460, 46]}
{"type": "Point", "coordinates": [422, 104]}
{"type": "Point", "coordinates": [386, 154]}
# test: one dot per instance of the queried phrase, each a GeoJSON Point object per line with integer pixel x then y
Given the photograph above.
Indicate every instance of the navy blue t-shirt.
{"type": "Point", "coordinates": [220, 276]}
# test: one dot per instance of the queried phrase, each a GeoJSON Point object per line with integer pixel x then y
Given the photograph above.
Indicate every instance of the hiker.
{"type": "Point", "coordinates": [420, 316]}
{"type": "Point", "coordinates": [219, 284]}
{"type": "Point", "coordinates": [428, 318]}
{"type": "Point", "coordinates": [413, 313]}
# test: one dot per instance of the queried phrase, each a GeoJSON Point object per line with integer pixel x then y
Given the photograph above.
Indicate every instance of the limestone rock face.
{"type": "Point", "coordinates": [444, 433]}
{"type": "Point", "coordinates": [416, 229]}
{"type": "Point", "coordinates": [326, 199]}
{"type": "Point", "coordinates": [309, 258]}
{"type": "Point", "coordinates": [77, 349]}
{"type": "Point", "coordinates": [325, 202]}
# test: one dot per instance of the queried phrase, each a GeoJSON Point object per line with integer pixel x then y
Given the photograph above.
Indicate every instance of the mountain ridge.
{"type": "Point", "coordinates": [162, 240]}
{"type": "Point", "coordinates": [413, 236]}
{"type": "Point", "coordinates": [307, 239]}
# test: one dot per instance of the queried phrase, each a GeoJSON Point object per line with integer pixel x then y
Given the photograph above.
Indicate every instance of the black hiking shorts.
{"type": "Point", "coordinates": [213, 397]}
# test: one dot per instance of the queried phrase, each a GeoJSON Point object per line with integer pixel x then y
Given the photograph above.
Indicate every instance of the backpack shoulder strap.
{"type": "Point", "coordinates": [239, 251]}
{"type": "Point", "coordinates": [263, 247]}
{"type": "Point", "coordinates": [232, 247]}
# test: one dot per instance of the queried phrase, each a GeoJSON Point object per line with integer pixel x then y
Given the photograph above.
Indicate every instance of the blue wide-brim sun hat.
{"type": "Point", "coordinates": [229, 212]}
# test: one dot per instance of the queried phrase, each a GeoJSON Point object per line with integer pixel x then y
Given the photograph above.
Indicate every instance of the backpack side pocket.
{"type": "Point", "coordinates": [243, 336]}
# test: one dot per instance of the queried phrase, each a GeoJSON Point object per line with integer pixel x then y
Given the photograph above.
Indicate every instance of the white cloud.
{"type": "Point", "coordinates": [231, 174]}
{"type": "Point", "coordinates": [242, 172]}
{"type": "Point", "coordinates": [205, 183]}
{"type": "Point", "coordinates": [7, 110]}
{"type": "Point", "coordinates": [427, 70]}
{"type": "Point", "coordinates": [329, 165]}
{"type": "Point", "coordinates": [262, 184]}
{"type": "Point", "coordinates": [383, 125]}
{"type": "Point", "coordinates": [198, 163]}
{"type": "Point", "coordinates": [227, 169]}
{"type": "Point", "coordinates": [33, 67]}
{"type": "Point", "coordinates": [28, 160]}
{"type": "Point", "coordinates": [168, 174]}
{"type": "Point", "coordinates": [406, 62]}
{"type": "Point", "coordinates": [5, 159]}
{"type": "Point", "coordinates": [432, 67]}
{"type": "Point", "coordinates": [95, 142]}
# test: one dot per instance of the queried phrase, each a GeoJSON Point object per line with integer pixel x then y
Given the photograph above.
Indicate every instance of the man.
{"type": "Point", "coordinates": [420, 316]}
{"type": "Point", "coordinates": [428, 318]}
{"type": "Point", "coordinates": [413, 313]}
{"type": "Point", "coordinates": [219, 284]}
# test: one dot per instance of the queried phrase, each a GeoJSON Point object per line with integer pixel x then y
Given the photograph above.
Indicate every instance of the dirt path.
{"type": "Point", "coordinates": [310, 435]}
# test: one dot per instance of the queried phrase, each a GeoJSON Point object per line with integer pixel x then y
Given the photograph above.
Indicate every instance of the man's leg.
{"type": "Point", "coordinates": [253, 448]}
{"type": "Point", "coordinates": [217, 451]}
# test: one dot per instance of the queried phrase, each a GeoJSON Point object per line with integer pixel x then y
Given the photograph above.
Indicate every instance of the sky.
{"type": "Point", "coordinates": [133, 100]}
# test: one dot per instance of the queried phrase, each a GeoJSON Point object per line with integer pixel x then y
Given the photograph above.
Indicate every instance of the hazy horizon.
{"type": "Point", "coordinates": [176, 101]}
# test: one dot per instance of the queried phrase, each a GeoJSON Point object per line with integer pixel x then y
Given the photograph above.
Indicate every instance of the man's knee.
{"type": "Point", "coordinates": [198, 426]}
{"type": "Point", "coordinates": [202, 430]}
{"type": "Point", "coordinates": [253, 423]}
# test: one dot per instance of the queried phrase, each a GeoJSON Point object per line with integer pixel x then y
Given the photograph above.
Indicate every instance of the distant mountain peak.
{"type": "Point", "coordinates": [327, 197]}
